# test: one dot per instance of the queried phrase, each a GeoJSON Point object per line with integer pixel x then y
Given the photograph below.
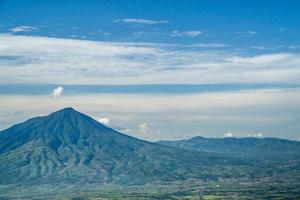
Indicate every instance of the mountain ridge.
{"type": "Point", "coordinates": [248, 146]}
{"type": "Point", "coordinates": [68, 146]}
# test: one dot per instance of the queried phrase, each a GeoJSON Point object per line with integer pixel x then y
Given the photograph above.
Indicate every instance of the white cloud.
{"type": "Point", "coordinates": [248, 33]}
{"type": "Point", "coordinates": [251, 32]}
{"type": "Point", "coordinates": [143, 128]}
{"type": "Point", "coordinates": [186, 33]}
{"type": "Point", "coordinates": [257, 135]}
{"type": "Point", "coordinates": [104, 120]}
{"type": "Point", "coordinates": [243, 134]}
{"type": "Point", "coordinates": [293, 47]}
{"type": "Point", "coordinates": [259, 47]}
{"type": "Point", "coordinates": [138, 33]}
{"type": "Point", "coordinates": [23, 29]}
{"type": "Point", "coordinates": [140, 21]}
{"type": "Point", "coordinates": [211, 45]}
{"type": "Point", "coordinates": [108, 122]}
{"type": "Point", "coordinates": [57, 92]}
{"type": "Point", "coordinates": [229, 134]}
{"type": "Point", "coordinates": [29, 59]}
{"type": "Point", "coordinates": [265, 59]}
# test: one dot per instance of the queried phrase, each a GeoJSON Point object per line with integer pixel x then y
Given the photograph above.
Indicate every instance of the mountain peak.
{"type": "Point", "coordinates": [66, 110]}
{"type": "Point", "coordinates": [63, 127]}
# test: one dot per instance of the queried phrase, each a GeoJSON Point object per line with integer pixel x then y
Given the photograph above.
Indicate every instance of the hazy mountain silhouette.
{"type": "Point", "coordinates": [265, 148]}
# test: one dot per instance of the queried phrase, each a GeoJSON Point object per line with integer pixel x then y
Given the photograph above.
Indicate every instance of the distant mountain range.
{"type": "Point", "coordinates": [68, 146]}
{"type": "Point", "coordinates": [264, 148]}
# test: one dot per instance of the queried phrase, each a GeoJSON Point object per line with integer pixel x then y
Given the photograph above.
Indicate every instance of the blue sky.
{"type": "Point", "coordinates": [235, 63]}
{"type": "Point", "coordinates": [237, 23]}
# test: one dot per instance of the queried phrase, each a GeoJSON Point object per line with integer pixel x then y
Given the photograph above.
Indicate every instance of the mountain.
{"type": "Point", "coordinates": [68, 146]}
{"type": "Point", "coordinates": [265, 148]}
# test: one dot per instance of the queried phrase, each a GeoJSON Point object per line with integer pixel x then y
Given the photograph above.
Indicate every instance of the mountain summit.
{"type": "Point", "coordinates": [68, 146]}
{"type": "Point", "coordinates": [61, 128]}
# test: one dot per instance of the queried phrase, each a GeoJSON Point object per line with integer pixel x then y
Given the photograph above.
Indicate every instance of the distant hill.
{"type": "Point", "coordinates": [68, 146]}
{"type": "Point", "coordinates": [265, 148]}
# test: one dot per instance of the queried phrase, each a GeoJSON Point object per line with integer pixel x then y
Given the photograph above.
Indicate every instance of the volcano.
{"type": "Point", "coordinates": [68, 146]}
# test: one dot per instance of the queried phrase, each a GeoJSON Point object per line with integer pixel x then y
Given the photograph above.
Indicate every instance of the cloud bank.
{"type": "Point", "coordinates": [212, 114]}
{"type": "Point", "coordinates": [28, 59]}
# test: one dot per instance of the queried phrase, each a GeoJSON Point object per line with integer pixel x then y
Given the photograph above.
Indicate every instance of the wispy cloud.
{"type": "Point", "coordinates": [293, 47]}
{"type": "Point", "coordinates": [71, 61]}
{"type": "Point", "coordinates": [23, 29]}
{"type": "Point", "coordinates": [210, 45]}
{"type": "Point", "coordinates": [186, 33]}
{"type": "Point", "coordinates": [138, 33]}
{"type": "Point", "coordinates": [247, 33]}
{"type": "Point", "coordinates": [264, 59]}
{"type": "Point", "coordinates": [251, 32]}
{"type": "Point", "coordinates": [259, 47]}
{"type": "Point", "coordinates": [140, 21]}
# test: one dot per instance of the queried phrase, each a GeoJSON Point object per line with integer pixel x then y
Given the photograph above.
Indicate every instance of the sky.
{"type": "Point", "coordinates": [155, 69]}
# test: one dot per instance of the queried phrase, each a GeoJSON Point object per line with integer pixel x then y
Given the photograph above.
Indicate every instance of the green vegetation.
{"type": "Point", "coordinates": [68, 155]}
{"type": "Point", "coordinates": [69, 147]}
{"type": "Point", "coordinates": [262, 148]}
{"type": "Point", "coordinates": [275, 187]}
